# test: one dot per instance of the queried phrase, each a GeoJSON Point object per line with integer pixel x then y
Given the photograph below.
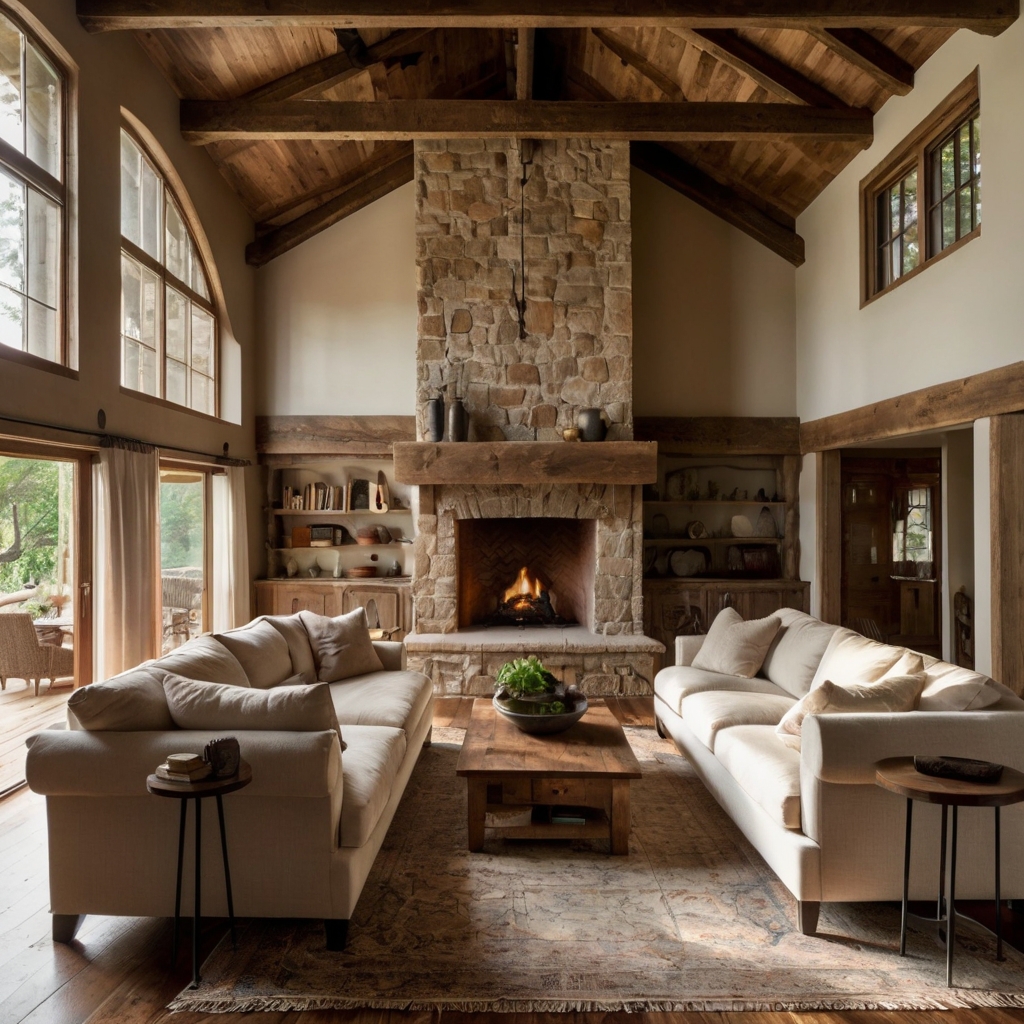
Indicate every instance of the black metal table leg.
{"type": "Point", "coordinates": [227, 871]}
{"type": "Point", "coordinates": [940, 909]}
{"type": "Point", "coordinates": [177, 888]}
{"type": "Point", "coordinates": [999, 902]}
{"type": "Point", "coordinates": [195, 917]}
{"type": "Point", "coordinates": [906, 879]}
{"type": "Point", "coordinates": [951, 911]}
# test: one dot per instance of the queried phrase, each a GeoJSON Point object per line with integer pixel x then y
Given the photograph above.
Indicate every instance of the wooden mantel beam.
{"type": "Point", "coordinates": [987, 16]}
{"type": "Point", "coordinates": [204, 122]}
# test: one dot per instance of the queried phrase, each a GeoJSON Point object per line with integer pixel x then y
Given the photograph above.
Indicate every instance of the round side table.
{"type": "Point", "coordinates": [198, 791]}
{"type": "Point", "coordinates": [898, 775]}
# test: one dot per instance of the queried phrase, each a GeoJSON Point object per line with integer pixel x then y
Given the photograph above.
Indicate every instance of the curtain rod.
{"type": "Point", "coordinates": [104, 440]}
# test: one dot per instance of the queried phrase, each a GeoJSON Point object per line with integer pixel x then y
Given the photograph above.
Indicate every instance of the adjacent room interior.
{"type": "Point", "coordinates": [548, 477]}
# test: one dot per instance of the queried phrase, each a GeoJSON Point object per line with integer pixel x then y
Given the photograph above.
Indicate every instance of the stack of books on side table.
{"type": "Point", "coordinates": [184, 768]}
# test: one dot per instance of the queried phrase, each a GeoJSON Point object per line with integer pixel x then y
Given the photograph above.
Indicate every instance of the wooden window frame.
{"type": "Point", "coordinates": [58, 190]}
{"type": "Point", "coordinates": [167, 279]}
{"type": "Point", "coordinates": [914, 151]}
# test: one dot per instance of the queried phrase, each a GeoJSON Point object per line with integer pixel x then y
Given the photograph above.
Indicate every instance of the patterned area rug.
{"type": "Point", "coordinates": [692, 919]}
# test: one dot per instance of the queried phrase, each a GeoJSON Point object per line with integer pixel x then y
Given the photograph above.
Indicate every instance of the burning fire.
{"type": "Point", "coordinates": [524, 591]}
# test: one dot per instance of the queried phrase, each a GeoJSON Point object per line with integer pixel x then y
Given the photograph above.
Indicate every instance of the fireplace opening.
{"type": "Point", "coordinates": [530, 571]}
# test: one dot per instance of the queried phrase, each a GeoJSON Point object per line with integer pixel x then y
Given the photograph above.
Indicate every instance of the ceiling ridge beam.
{"type": "Point", "coordinates": [366, 189]}
{"type": "Point", "coordinates": [717, 199]}
{"type": "Point", "coordinates": [864, 51]}
{"type": "Point", "coordinates": [207, 121]}
{"type": "Point", "coordinates": [987, 16]}
{"type": "Point", "coordinates": [636, 60]}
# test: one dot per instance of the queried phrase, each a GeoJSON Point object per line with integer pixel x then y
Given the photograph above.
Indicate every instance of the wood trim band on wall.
{"type": "Point", "coordinates": [1006, 469]}
{"type": "Point", "coordinates": [285, 437]}
{"type": "Point", "coordinates": [828, 507]}
{"type": "Point", "coordinates": [721, 435]}
{"type": "Point", "coordinates": [990, 393]}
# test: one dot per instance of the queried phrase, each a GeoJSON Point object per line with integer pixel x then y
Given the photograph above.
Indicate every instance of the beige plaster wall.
{"type": "Point", "coordinates": [713, 313]}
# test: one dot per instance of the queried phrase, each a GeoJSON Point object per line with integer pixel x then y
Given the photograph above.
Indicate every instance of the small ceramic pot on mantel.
{"type": "Point", "coordinates": [591, 424]}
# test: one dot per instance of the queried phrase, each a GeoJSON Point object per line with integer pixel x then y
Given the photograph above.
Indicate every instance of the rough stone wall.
{"type": "Point", "coordinates": [577, 352]}
{"type": "Point", "coordinates": [618, 580]}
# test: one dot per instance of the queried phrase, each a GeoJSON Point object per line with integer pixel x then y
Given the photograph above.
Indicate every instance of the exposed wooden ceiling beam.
{"type": "Point", "coordinates": [719, 199]}
{"type": "Point", "coordinates": [204, 121]}
{"type": "Point", "coordinates": [987, 16]}
{"type": "Point", "coordinates": [640, 63]}
{"type": "Point", "coordinates": [770, 73]}
{"type": "Point", "coordinates": [525, 50]}
{"type": "Point", "coordinates": [864, 51]}
{"type": "Point", "coordinates": [364, 189]}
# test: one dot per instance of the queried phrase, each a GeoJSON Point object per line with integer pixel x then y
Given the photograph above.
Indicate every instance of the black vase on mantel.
{"type": "Point", "coordinates": [458, 421]}
{"type": "Point", "coordinates": [592, 426]}
{"type": "Point", "coordinates": [435, 419]}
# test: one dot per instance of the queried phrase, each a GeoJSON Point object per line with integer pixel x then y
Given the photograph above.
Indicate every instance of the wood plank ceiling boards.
{"type": "Point", "coordinates": [749, 108]}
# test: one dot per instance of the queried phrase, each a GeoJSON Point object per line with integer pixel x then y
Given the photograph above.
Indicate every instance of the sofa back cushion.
{"type": "Point", "coordinates": [736, 647]}
{"type": "Point", "coordinates": [851, 658]}
{"type": "Point", "coordinates": [262, 652]}
{"type": "Point", "coordinates": [796, 651]}
{"type": "Point", "coordinates": [953, 688]}
{"type": "Point", "coordinates": [195, 704]}
{"type": "Point", "coordinates": [207, 659]}
{"type": "Point", "coordinates": [134, 701]}
{"type": "Point", "coordinates": [295, 635]}
{"type": "Point", "coordinates": [341, 646]}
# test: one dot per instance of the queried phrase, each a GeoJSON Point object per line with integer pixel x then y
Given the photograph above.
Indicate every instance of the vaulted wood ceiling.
{"type": "Point", "coordinates": [750, 109]}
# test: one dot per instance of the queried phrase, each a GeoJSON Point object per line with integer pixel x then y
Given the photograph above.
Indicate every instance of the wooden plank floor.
{"type": "Point", "coordinates": [22, 714]}
{"type": "Point", "coordinates": [117, 970]}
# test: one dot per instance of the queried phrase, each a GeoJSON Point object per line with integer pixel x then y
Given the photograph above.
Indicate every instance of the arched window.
{"type": "Point", "coordinates": [168, 320]}
{"type": "Point", "coordinates": [33, 196]}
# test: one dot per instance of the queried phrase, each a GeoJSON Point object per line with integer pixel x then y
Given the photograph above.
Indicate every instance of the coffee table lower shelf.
{"type": "Point", "coordinates": [596, 826]}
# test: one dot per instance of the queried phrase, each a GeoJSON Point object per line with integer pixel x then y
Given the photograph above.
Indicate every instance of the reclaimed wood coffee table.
{"type": "Point", "coordinates": [517, 782]}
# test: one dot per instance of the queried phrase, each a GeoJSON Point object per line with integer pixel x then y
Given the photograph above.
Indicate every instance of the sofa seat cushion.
{"type": "Point", "coordinates": [673, 684]}
{"type": "Point", "coordinates": [707, 714]}
{"type": "Point", "coordinates": [205, 659]}
{"type": "Point", "coordinates": [764, 768]}
{"type": "Point", "coordinates": [262, 652]}
{"type": "Point", "coordinates": [395, 699]}
{"type": "Point", "coordinates": [797, 650]}
{"type": "Point", "coordinates": [369, 767]}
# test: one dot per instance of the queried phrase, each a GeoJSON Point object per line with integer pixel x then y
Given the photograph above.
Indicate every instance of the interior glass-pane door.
{"type": "Point", "coordinates": [182, 555]}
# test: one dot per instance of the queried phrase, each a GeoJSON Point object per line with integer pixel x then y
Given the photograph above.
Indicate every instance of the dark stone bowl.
{"type": "Point", "coordinates": [543, 725]}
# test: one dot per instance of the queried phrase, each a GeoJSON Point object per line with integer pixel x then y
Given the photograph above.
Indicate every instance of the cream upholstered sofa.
{"type": "Point", "coordinates": [302, 836]}
{"type": "Point", "coordinates": [814, 813]}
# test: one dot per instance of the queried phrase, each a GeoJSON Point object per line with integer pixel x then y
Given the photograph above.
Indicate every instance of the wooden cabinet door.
{"type": "Point", "coordinates": [673, 610]}
{"type": "Point", "coordinates": [298, 597]}
{"type": "Point", "coordinates": [388, 607]}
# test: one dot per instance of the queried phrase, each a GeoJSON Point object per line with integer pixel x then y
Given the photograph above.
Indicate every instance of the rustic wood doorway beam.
{"type": "Point", "coordinates": [204, 122]}
{"type": "Point", "coordinates": [719, 199]}
{"type": "Point", "coordinates": [864, 51]}
{"type": "Point", "coordinates": [987, 16]}
{"type": "Point", "coordinates": [525, 51]}
{"type": "Point", "coordinates": [640, 63]}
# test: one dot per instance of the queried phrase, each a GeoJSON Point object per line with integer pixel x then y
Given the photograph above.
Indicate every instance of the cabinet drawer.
{"type": "Point", "coordinates": [581, 792]}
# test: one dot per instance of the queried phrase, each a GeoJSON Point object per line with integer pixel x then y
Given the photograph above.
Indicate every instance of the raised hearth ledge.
{"type": "Point", "coordinates": [526, 462]}
{"type": "Point", "coordinates": [530, 640]}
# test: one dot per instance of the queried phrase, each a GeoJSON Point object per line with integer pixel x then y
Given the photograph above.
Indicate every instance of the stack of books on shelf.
{"type": "Point", "coordinates": [317, 497]}
{"type": "Point", "coordinates": [183, 768]}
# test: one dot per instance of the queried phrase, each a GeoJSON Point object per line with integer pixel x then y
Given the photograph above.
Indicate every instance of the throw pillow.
{"type": "Point", "coordinates": [211, 707]}
{"type": "Point", "coordinates": [735, 647]}
{"type": "Point", "coordinates": [953, 688]}
{"type": "Point", "coordinates": [853, 658]}
{"type": "Point", "coordinates": [295, 635]}
{"type": "Point", "coordinates": [341, 646]}
{"type": "Point", "coordinates": [262, 651]}
{"type": "Point", "coordinates": [207, 659]}
{"type": "Point", "coordinates": [134, 701]}
{"type": "Point", "coordinates": [894, 693]}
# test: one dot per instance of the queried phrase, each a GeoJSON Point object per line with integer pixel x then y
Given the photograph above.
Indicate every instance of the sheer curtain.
{"type": "Point", "coordinates": [128, 610]}
{"type": "Point", "coordinates": [230, 551]}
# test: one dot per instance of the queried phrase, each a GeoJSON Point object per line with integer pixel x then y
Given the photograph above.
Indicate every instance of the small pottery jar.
{"type": "Point", "coordinates": [434, 421]}
{"type": "Point", "coordinates": [458, 421]}
{"type": "Point", "coordinates": [570, 434]}
{"type": "Point", "coordinates": [592, 426]}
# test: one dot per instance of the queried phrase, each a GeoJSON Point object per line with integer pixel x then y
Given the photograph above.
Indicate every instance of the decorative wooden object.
{"type": "Point", "coordinates": [1006, 468]}
{"type": "Point", "coordinates": [590, 765]}
{"type": "Point", "coordinates": [311, 437]}
{"type": "Point", "coordinates": [829, 506]}
{"type": "Point", "coordinates": [525, 462]}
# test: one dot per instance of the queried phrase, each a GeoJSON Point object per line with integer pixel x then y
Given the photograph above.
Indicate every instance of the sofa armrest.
{"type": "Point", "coordinates": [846, 748]}
{"type": "Point", "coordinates": [687, 648]}
{"type": "Point", "coordinates": [391, 654]}
{"type": "Point", "coordinates": [80, 763]}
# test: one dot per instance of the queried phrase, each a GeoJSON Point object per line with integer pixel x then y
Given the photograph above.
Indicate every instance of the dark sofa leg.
{"type": "Point", "coordinates": [807, 916]}
{"type": "Point", "coordinates": [660, 728]}
{"type": "Point", "coordinates": [336, 933]}
{"type": "Point", "coordinates": [65, 926]}
{"type": "Point", "coordinates": [430, 737]}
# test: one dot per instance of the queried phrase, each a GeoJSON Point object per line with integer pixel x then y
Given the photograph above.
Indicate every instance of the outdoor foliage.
{"type": "Point", "coordinates": [32, 484]}
{"type": "Point", "coordinates": [181, 525]}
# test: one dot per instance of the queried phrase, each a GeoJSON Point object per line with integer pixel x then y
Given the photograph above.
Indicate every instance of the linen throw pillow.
{"type": "Point", "coordinates": [262, 652]}
{"type": "Point", "coordinates": [195, 704]}
{"type": "Point", "coordinates": [735, 647]}
{"type": "Point", "coordinates": [341, 646]}
{"type": "Point", "coordinates": [893, 693]}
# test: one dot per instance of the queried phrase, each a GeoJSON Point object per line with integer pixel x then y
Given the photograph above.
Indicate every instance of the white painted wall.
{"type": "Point", "coordinates": [337, 317]}
{"type": "Point", "coordinates": [714, 313]}
{"type": "Point", "coordinates": [958, 317]}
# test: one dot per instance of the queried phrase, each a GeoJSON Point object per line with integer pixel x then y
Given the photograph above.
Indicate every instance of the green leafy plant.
{"type": "Point", "coordinates": [526, 676]}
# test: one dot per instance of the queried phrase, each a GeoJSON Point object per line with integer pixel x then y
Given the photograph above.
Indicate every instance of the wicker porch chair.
{"type": "Point", "coordinates": [22, 656]}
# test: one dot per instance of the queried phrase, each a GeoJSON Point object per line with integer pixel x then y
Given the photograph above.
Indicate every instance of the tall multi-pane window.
{"type": "Point", "coordinates": [955, 200]}
{"type": "Point", "coordinates": [898, 250]}
{"type": "Point", "coordinates": [168, 321]}
{"type": "Point", "coordinates": [33, 196]}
